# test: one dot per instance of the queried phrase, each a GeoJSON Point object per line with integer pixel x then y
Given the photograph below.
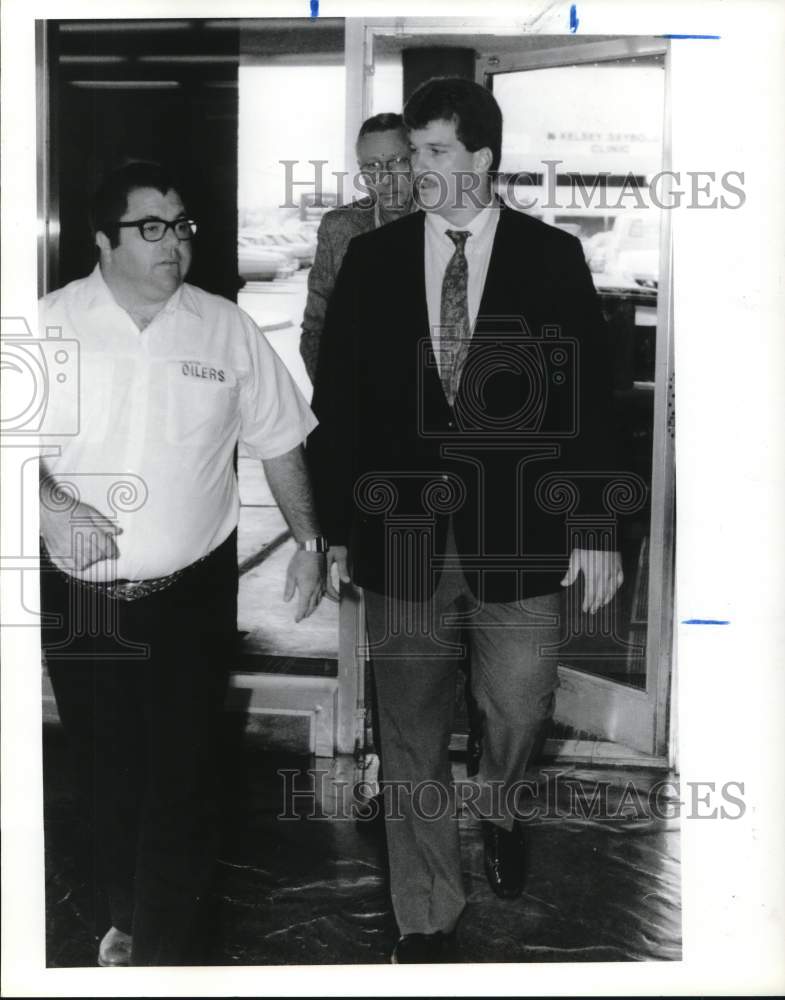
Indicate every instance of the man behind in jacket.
{"type": "Point", "coordinates": [449, 415]}
{"type": "Point", "coordinates": [383, 159]}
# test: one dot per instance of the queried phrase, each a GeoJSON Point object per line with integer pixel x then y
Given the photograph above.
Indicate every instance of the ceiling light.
{"type": "Point", "coordinates": [189, 59]}
{"type": "Point", "coordinates": [125, 84]}
{"type": "Point", "coordinates": [91, 60]}
{"type": "Point", "coordinates": [74, 27]}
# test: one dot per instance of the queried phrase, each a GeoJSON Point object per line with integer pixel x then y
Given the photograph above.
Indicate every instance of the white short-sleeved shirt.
{"type": "Point", "coordinates": [146, 432]}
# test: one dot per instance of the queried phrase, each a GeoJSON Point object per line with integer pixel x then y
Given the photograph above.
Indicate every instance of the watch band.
{"type": "Point", "coordinates": [318, 544]}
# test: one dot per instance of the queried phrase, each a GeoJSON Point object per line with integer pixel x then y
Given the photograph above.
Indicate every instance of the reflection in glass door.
{"type": "Point", "coordinates": [583, 150]}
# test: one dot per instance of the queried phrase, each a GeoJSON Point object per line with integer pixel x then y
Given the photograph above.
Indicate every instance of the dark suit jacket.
{"type": "Point", "coordinates": [519, 459]}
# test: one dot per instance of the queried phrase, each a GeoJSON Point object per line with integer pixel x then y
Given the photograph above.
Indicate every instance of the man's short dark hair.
{"type": "Point", "coordinates": [472, 107]}
{"type": "Point", "coordinates": [111, 198]}
{"type": "Point", "coordinates": [385, 122]}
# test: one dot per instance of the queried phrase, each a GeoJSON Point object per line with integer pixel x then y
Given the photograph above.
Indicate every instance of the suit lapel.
{"type": "Point", "coordinates": [505, 304]}
{"type": "Point", "coordinates": [410, 252]}
{"type": "Point", "coordinates": [416, 334]}
{"type": "Point", "coordinates": [501, 295]}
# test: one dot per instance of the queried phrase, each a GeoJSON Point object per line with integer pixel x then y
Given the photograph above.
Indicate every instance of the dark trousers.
{"type": "Point", "coordinates": [140, 687]}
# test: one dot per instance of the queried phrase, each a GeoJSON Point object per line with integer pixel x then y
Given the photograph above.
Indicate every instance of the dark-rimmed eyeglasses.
{"type": "Point", "coordinates": [395, 165]}
{"type": "Point", "coordinates": [153, 230]}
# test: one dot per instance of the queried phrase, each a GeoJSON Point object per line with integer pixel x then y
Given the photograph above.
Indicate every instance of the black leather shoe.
{"type": "Point", "coordinates": [504, 862]}
{"type": "Point", "coordinates": [424, 949]}
{"type": "Point", "coordinates": [115, 949]}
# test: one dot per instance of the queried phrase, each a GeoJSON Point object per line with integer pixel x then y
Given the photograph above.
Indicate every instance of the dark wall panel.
{"type": "Point", "coordinates": [420, 64]}
{"type": "Point", "coordinates": [109, 112]}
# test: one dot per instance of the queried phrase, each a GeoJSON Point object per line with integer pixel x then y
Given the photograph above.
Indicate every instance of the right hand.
{"type": "Point", "coordinates": [78, 533]}
{"type": "Point", "coordinates": [305, 574]}
{"type": "Point", "coordinates": [337, 570]}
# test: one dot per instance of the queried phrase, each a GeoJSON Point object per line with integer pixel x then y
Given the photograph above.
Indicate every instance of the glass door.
{"type": "Point", "coordinates": [584, 149]}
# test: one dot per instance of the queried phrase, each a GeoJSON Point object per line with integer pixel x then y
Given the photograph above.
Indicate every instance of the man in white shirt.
{"type": "Point", "coordinates": [445, 411]}
{"type": "Point", "coordinates": [139, 510]}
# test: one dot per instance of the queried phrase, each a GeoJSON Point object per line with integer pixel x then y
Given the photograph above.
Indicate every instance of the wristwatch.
{"type": "Point", "coordinates": [318, 544]}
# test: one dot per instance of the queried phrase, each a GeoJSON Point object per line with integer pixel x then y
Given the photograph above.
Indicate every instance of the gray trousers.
{"type": "Point", "coordinates": [414, 650]}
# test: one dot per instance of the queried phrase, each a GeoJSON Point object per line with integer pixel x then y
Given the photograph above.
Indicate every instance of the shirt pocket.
{"type": "Point", "coordinates": [201, 404]}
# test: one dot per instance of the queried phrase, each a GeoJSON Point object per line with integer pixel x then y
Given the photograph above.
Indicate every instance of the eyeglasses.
{"type": "Point", "coordinates": [154, 230]}
{"type": "Point", "coordinates": [397, 164]}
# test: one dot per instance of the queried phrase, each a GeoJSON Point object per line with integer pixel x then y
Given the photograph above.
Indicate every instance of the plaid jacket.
{"type": "Point", "coordinates": [337, 228]}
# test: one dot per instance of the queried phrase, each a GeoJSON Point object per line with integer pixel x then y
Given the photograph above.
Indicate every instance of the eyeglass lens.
{"type": "Point", "coordinates": [397, 163]}
{"type": "Point", "coordinates": [154, 229]}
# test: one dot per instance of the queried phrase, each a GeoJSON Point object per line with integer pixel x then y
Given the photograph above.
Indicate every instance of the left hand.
{"type": "Point", "coordinates": [307, 574]}
{"type": "Point", "coordinates": [337, 570]}
{"type": "Point", "coordinates": [602, 576]}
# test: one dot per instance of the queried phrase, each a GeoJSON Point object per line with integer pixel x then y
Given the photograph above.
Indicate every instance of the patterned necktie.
{"type": "Point", "coordinates": [455, 330]}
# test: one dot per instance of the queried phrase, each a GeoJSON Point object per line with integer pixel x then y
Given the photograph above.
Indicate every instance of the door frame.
{"type": "Point", "coordinates": [585, 701]}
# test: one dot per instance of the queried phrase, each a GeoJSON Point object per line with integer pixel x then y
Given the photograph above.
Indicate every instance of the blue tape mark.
{"type": "Point", "coordinates": [574, 22]}
{"type": "Point", "coordinates": [692, 36]}
{"type": "Point", "coordinates": [705, 621]}
{"type": "Point", "coordinates": [314, 8]}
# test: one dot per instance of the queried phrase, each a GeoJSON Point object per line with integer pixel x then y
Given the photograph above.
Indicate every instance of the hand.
{"type": "Point", "coordinates": [76, 531]}
{"type": "Point", "coordinates": [305, 573]}
{"type": "Point", "coordinates": [337, 570]}
{"type": "Point", "coordinates": [602, 576]}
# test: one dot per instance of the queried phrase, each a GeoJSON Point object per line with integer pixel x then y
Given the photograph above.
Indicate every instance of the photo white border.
{"type": "Point", "coordinates": [727, 112]}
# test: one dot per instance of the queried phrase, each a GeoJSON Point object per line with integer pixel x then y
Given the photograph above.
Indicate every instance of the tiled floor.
{"type": "Point", "coordinates": [312, 891]}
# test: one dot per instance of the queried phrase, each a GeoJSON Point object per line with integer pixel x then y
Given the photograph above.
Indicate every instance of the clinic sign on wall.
{"type": "Point", "coordinates": [593, 118]}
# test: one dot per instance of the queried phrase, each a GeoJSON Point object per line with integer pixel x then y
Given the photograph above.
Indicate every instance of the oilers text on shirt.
{"type": "Point", "coordinates": [196, 369]}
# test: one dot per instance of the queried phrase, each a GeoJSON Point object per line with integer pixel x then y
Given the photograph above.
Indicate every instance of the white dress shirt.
{"type": "Point", "coordinates": [439, 248]}
{"type": "Point", "coordinates": [146, 422]}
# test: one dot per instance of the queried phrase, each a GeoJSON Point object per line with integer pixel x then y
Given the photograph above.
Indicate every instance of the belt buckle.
{"type": "Point", "coordinates": [130, 590]}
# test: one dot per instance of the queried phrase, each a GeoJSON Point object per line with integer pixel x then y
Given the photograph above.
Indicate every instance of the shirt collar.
{"type": "Point", "coordinates": [96, 289]}
{"type": "Point", "coordinates": [99, 294]}
{"type": "Point", "coordinates": [477, 227]}
{"type": "Point", "coordinates": [185, 299]}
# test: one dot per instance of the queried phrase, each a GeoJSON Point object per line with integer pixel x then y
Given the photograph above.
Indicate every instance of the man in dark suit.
{"type": "Point", "coordinates": [454, 415]}
{"type": "Point", "coordinates": [383, 159]}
